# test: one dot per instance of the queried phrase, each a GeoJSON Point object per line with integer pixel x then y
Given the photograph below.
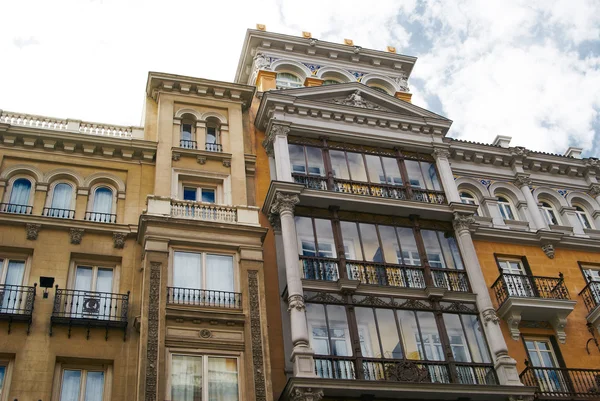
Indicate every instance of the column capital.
{"type": "Point", "coordinates": [275, 129]}
{"type": "Point", "coordinates": [284, 202]}
{"type": "Point", "coordinates": [490, 316]}
{"type": "Point", "coordinates": [522, 180]}
{"type": "Point", "coordinates": [462, 222]}
{"type": "Point", "coordinates": [441, 153]}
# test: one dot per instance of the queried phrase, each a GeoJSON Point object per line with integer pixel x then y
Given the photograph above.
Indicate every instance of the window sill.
{"type": "Point", "coordinates": [517, 224]}
{"type": "Point", "coordinates": [201, 155]}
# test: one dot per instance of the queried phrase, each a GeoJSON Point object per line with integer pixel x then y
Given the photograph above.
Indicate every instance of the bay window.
{"type": "Point", "coordinates": [198, 377]}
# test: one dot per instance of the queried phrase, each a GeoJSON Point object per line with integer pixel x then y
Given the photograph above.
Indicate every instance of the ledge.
{"type": "Point", "coordinates": [65, 224]}
{"type": "Point", "coordinates": [202, 155]}
{"type": "Point", "coordinates": [197, 314]}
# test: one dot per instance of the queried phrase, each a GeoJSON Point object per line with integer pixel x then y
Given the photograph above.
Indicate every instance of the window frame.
{"type": "Point", "coordinates": [61, 366]}
{"type": "Point", "coordinates": [92, 197]}
{"type": "Point", "coordinates": [8, 363]}
{"type": "Point", "coordinates": [504, 204]}
{"type": "Point", "coordinates": [50, 194]}
{"type": "Point", "coordinates": [95, 264]}
{"type": "Point", "coordinates": [10, 185]}
{"type": "Point", "coordinates": [284, 83]}
{"type": "Point", "coordinates": [7, 256]}
{"type": "Point", "coordinates": [549, 213]}
{"type": "Point", "coordinates": [583, 212]}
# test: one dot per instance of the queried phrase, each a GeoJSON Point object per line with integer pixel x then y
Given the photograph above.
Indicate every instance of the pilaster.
{"type": "Point", "coordinates": [266, 80]}
{"type": "Point", "coordinates": [443, 165]}
{"type": "Point", "coordinates": [523, 182]}
{"type": "Point", "coordinates": [276, 145]}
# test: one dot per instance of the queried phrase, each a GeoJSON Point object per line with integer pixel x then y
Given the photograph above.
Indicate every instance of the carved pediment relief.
{"type": "Point", "coordinates": [355, 99]}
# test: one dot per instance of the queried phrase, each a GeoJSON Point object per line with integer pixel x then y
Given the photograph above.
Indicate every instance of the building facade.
{"type": "Point", "coordinates": [131, 260]}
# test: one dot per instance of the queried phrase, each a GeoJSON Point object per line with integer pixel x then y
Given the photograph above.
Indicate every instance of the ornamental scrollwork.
{"type": "Point", "coordinates": [462, 221]}
{"type": "Point", "coordinates": [32, 231]}
{"type": "Point", "coordinates": [306, 394]}
{"type": "Point", "coordinates": [275, 130]}
{"type": "Point", "coordinates": [275, 222]}
{"type": "Point", "coordinates": [119, 240]}
{"type": "Point", "coordinates": [262, 62]}
{"type": "Point", "coordinates": [256, 335]}
{"type": "Point", "coordinates": [407, 371]}
{"type": "Point", "coordinates": [490, 316]}
{"type": "Point", "coordinates": [76, 234]}
{"type": "Point", "coordinates": [522, 180]}
{"type": "Point", "coordinates": [284, 203]}
{"type": "Point", "coordinates": [296, 302]}
{"type": "Point", "coordinates": [594, 190]}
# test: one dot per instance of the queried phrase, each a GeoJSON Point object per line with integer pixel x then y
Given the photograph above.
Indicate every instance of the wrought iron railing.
{"type": "Point", "coordinates": [401, 370]}
{"type": "Point", "coordinates": [526, 286]}
{"type": "Point", "coordinates": [16, 303]}
{"type": "Point", "coordinates": [90, 305]}
{"type": "Point", "coordinates": [453, 280]}
{"type": "Point", "coordinates": [318, 268]}
{"type": "Point", "coordinates": [58, 213]}
{"type": "Point", "coordinates": [213, 147]}
{"type": "Point", "coordinates": [563, 382]}
{"type": "Point", "coordinates": [101, 217]}
{"type": "Point", "coordinates": [310, 181]}
{"type": "Point", "coordinates": [591, 295]}
{"type": "Point", "coordinates": [197, 297]}
{"type": "Point", "coordinates": [385, 274]}
{"type": "Point", "coordinates": [15, 208]}
{"type": "Point", "coordinates": [428, 196]}
{"type": "Point", "coordinates": [188, 144]}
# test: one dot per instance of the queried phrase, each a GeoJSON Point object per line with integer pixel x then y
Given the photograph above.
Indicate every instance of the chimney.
{"type": "Point", "coordinates": [502, 140]}
{"type": "Point", "coordinates": [574, 152]}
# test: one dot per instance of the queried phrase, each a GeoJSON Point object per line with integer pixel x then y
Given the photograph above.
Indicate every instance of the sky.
{"type": "Point", "coordinates": [529, 69]}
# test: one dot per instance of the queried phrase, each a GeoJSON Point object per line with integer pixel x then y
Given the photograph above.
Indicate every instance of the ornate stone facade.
{"type": "Point", "coordinates": [284, 203]}
{"type": "Point", "coordinates": [119, 240]}
{"type": "Point", "coordinates": [257, 339]}
{"type": "Point", "coordinates": [151, 385]}
{"type": "Point", "coordinates": [32, 231]}
{"type": "Point", "coordinates": [76, 235]}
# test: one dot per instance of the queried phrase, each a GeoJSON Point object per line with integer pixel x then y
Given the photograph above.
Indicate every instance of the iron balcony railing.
{"type": "Point", "coordinates": [187, 144]}
{"type": "Point", "coordinates": [562, 382]}
{"type": "Point", "coordinates": [526, 286]}
{"type": "Point", "coordinates": [16, 303]}
{"type": "Point", "coordinates": [15, 208]}
{"type": "Point", "coordinates": [197, 297]}
{"type": "Point", "coordinates": [213, 147]}
{"type": "Point", "coordinates": [380, 190]}
{"type": "Point", "coordinates": [89, 308]}
{"type": "Point", "coordinates": [58, 213]}
{"type": "Point", "coordinates": [591, 295]}
{"type": "Point", "coordinates": [384, 274]}
{"type": "Point", "coordinates": [101, 217]}
{"type": "Point", "coordinates": [402, 370]}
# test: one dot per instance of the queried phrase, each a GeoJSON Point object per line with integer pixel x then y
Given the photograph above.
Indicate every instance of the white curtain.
{"type": "Point", "coordinates": [186, 378]}
{"type": "Point", "coordinates": [219, 273]}
{"type": "Point", "coordinates": [19, 196]}
{"type": "Point", "coordinates": [83, 282]}
{"type": "Point", "coordinates": [103, 200]}
{"type": "Point", "coordinates": [94, 386]}
{"type": "Point", "coordinates": [14, 276]}
{"type": "Point", "coordinates": [187, 273]}
{"type": "Point", "coordinates": [61, 198]}
{"type": "Point", "coordinates": [69, 390]}
{"type": "Point", "coordinates": [104, 283]}
{"type": "Point", "coordinates": [222, 379]}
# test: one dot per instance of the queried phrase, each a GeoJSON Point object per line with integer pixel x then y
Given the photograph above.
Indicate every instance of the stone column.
{"type": "Point", "coordinates": [276, 144]}
{"type": "Point", "coordinates": [523, 182]}
{"type": "Point", "coordinates": [443, 166]}
{"type": "Point", "coordinates": [506, 367]}
{"type": "Point", "coordinates": [302, 354]}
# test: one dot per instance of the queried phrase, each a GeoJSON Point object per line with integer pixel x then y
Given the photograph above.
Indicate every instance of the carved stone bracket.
{"type": "Point", "coordinates": [76, 235]}
{"type": "Point", "coordinates": [594, 190]}
{"type": "Point", "coordinates": [522, 180]}
{"type": "Point", "coordinates": [306, 394]}
{"type": "Point", "coordinates": [32, 231]}
{"type": "Point", "coordinates": [260, 390]}
{"type": "Point", "coordinates": [462, 221]}
{"type": "Point", "coordinates": [201, 159]}
{"type": "Point", "coordinates": [152, 343]}
{"type": "Point", "coordinates": [119, 240]}
{"type": "Point", "coordinates": [296, 302]}
{"type": "Point", "coordinates": [284, 202]}
{"type": "Point", "coordinates": [176, 156]}
{"type": "Point", "coordinates": [548, 250]}
{"type": "Point", "coordinates": [513, 320]}
{"type": "Point", "coordinates": [490, 316]}
{"type": "Point", "coordinates": [226, 162]}
{"type": "Point", "coordinates": [275, 130]}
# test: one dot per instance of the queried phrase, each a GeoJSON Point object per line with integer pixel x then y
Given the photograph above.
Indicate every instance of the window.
{"type": "Point", "coordinates": [285, 80]}
{"type": "Point", "coordinates": [213, 136]}
{"type": "Point", "coordinates": [591, 273]}
{"type": "Point", "coordinates": [62, 199]}
{"type": "Point", "coordinates": [196, 378]}
{"type": "Point", "coordinates": [3, 369]}
{"type": "Point", "coordinates": [422, 175]}
{"type": "Point", "coordinates": [583, 217]}
{"type": "Point", "coordinates": [18, 201]}
{"type": "Point", "coordinates": [306, 160]}
{"type": "Point", "coordinates": [330, 82]}
{"type": "Point", "coordinates": [188, 132]}
{"type": "Point", "coordinates": [12, 272]}
{"type": "Point", "coordinates": [198, 194]}
{"type": "Point", "coordinates": [5, 373]}
{"type": "Point", "coordinates": [549, 214]}
{"type": "Point", "coordinates": [505, 208]}
{"type": "Point", "coordinates": [543, 355]}
{"type": "Point", "coordinates": [91, 298]}
{"type": "Point", "coordinates": [328, 330]}
{"type": "Point", "coordinates": [518, 283]}
{"type": "Point", "coordinates": [442, 250]}
{"type": "Point", "coordinates": [467, 198]}
{"type": "Point", "coordinates": [378, 333]}
{"type": "Point", "coordinates": [102, 206]}
{"type": "Point", "coordinates": [82, 385]}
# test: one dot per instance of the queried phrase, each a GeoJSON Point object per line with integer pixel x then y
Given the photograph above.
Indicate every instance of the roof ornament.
{"type": "Point", "coordinates": [261, 62]}
{"type": "Point", "coordinates": [402, 82]}
{"type": "Point", "coordinates": [356, 100]}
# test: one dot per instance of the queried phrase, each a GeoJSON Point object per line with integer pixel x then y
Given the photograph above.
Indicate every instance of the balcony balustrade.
{"type": "Point", "coordinates": [204, 298]}
{"type": "Point", "coordinates": [16, 303]}
{"type": "Point", "coordinates": [518, 285]}
{"type": "Point", "coordinates": [213, 147]}
{"type": "Point", "coordinates": [562, 383]}
{"type": "Point", "coordinates": [591, 295]}
{"type": "Point", "coordinates": [90, 309]}
{"type": "Point", "coordinates": [101, 217]}
{"type": "Point", "coordinates": [188, 144]}
{"type": "Point", "coordinates": [58, 213]}
{"type": "Point", "coordinates": [14, 208]}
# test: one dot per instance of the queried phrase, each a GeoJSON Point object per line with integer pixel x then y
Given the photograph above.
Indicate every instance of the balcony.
{"type": "Point", "coordinates": [90, 309]}
{"type": "Point", "coordinates": [17, 304]}
{"type": "Point", "coordinates": [383, 274]}
{"type": "Point", "coordinates": [213, 147]}
{"type": "Point", "coordinates": [591, 299]}
{"type": "Point", "coordinates": [204, 298]}
{"type": "Point", "coordinates": [187, 144]}
{"type": "Point", "coordinates": [100, 217]}
{"type": "Point", "coordinates": [14, 208]}
{"type": "Point", "coordinates": [562, 383]}
{"type": "Point", "coordinates": [525, 297]}
{"type": "Point", "coordinates": [58, 213]}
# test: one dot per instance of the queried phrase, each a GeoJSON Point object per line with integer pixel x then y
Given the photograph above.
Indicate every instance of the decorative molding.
{"type": "Point", "coordinates": [441, 153]}
{"type": "Point", "coordinates": [76, 234]}
{"type": "Point", "coordinates": [275, 130]}
{"type": "Point", "coordinates": [205, 333]}
{"type": "Point", "coordinates": [256, 335]}
{"type": "Point", "coordinates": [306, 394]}
{"type": "Point", "coordinates": [407, 371]}
{"type": "Point", "coordinates": [594, 190]}
{"type": "Point", "coordinates": [296, 302]}
{"type": "Point", "coordinates": [490, 316]}
{"type": "Point", "coordinates": [201, 159]}
{"type": "Point", "coordinates": [548, 250]}
{"type": "Point", "coordinates": [226, 162]}
{"type": "Point", "coordinates": [275, 222]}
{"type": "Point", "coordinates": [356, 100]}
{"type": "Point", "coordinates": [462, 222]}
{"type": "Point", "coordinates": [119, 240]}
{"type": "Point", "coordinates": [284, 203]}
{"type": "Point", "coordinates": [152, 342]}
{"type": "Point", "coordinates": [32, 231]}
{"type": "Point", "coordinates": [522, 180]}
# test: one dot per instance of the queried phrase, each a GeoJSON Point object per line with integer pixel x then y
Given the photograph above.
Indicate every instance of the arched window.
{"type": "Point", "coordinates": [549, 214]}
{"type": "Point", "coordinates": [466, 197]}
{"type": "Point", "coordinates": [188, 132]}
{"type": "Point", "coordinates": [213, 136]}
{"type": "Point", "coordinates": [102, 207]}
{"type": "Point", "coordinates": [583, 217]}
{"type": "Point", "coordinates": [62, 197]}
{"type": "Point", "coordinates": [380, 89]}
{"type": "Point", "coordinates": [19, 197]}
{"type": "Point", "coordinates": [330, 82]}
{"type": "Point", "coordinates": [505, 207]}
{"type": "Point", "coordinates": [285, 80]}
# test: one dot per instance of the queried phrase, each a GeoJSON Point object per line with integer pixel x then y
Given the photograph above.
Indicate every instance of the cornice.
{"type": "Point", "coordinates": [67, 224]}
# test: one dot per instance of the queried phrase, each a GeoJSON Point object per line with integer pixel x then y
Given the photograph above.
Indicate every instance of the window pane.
{"type": "Point", "coordinates": [351, 240]}
{"type": "Point", "coordinates": [315, 161]}
{"type": "Point", "coordinates": [69, 390]}
{"type": "Point", "coordinates": [338, 330]}
{"type": "Point", "coordinates": [375, 168]}
{"type": "Point", "coordinates": [431, 338]}
{"type": "Point", "coordinates": [430, 175]}
{"type": "Point", "coordinates": [83, 278]}
{"type": "Point", "coordinates": [211, 135]}
{"type": "Point", "coordinates": [306, 236]}
{"type": "Point", "coordinates": [388, 333]}
{"type": "Point", "coordinates": [2, 374]}
{"type": "Point", "coordinates": [208, 195]}
{"type": "Point", "coordinates": [317, 329]}
{"type": "Point", "coordinates": [104, 280]}
{"type": "Point", "coordinates": [187, 270]}
{"type": "Point", "coordinates": [451, 255]}
{"type": "Point", "coordinates": [390, 244]}
{"type": "Point", "coordinates": [189, 193]}
{"type": "Point", "coordinates": [219, 273]}
{"type": "Point", "coordinates": [103, 200]}
{"type": "Point", "coordinates": [432, 248]}
{"type": "Point", "coordinates": [477, 344]}
{"type": "Point", "coordinates": [357, 167]}
{"type": "Point", "coordinates": [186, 132]}
{"type": "Point", "coordinates": [338, 164]}
{"type": "Point", "coordinates": [410, 334]}
{"type": "Point", "coordinates": [367, 331]}
{"type": "Point", "coordinates": [94, 386]}
{"type": "Point", "coordinates": [392, 171]}
{"type": "Point", "coordinates": [20, 192]}
{"type": "Point", "coordinates": [297, 159]}
{"type": "Point", "coordinates": [186, 378]}
{"type": "Point", "coordinates": [370, 240]}
{"type": "Point", "coordinates": [414, 174]}
{"type": "Point", "coordinates": [410, 253]}
{"type": "Point", "coordinates": [325, 242]}
{"type": "Point", "coordinates": [456, 335]}
{"type": "Point", "coordinates": [222, 379]}
{"type": "Point", "coordinates": [61, 198]}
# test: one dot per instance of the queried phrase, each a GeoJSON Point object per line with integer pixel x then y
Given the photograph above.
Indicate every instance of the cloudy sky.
{"type": "Point", "coordinates": [528, 69]}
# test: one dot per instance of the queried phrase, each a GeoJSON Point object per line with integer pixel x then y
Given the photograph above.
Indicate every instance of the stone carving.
{"type": "Point", "coordinates": [201, 159]}
{"type": "Point", "coordinates": [205, 333]}
{"type": "Point", "coordinates": [401, 81]}
{"type": "Point", "coordinates": [284, 203]}
{"type": "Point", "coordinates": [296, 302]}
{"type": "Point", "coordinates": [489, 316]}
{"type": "Point", "coordinates": [76, 235]}
{"type": "Point", "coordinates": [407, 371]}
{"type": "Point", "coordinates": [262, 62]}
{"type": "Point", "coordinates": [312, 42]}
{"type": "Point", "coordinates": [176, 156]}
{"type": "Point", "coordinates": [227, 163]}
{"type": "Point", "coordinates": [519, 151]}
{"type": "Point", "coordinates": [256, 334]}
{"type": "Point", "coordinates": [594, 190]}
{"type": "Point", "coordinates": [441, 153]}
{"type": "Point", "coordinates": [119, 240]}
{"type": "Point", "coordinates": [306, 394]}
{"type": "Point", "coordinates": [32, 231]}
{"type": "Point", "coordinates": [275, 222]}
{"type": "Point", "coordinates": [356, 100]}
{"type": "Point", "coordinates": [522, 179]}
{"type": "Point", "coordinates": [592, 162]}
{"type": "Point", "coordinates": [152, 343]}
{"type": "Point", "coordinates": [275, 130]}
{"type": "Point", "coordinates": [548, 250]}
{"type": "Point", "coordinates": [462, 221]}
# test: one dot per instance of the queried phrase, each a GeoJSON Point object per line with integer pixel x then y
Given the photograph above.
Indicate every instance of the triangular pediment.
{"type": "Point", "coordinates": [359, 96]}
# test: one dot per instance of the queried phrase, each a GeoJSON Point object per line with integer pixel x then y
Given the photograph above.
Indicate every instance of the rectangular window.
{"type": "Point", "coordinates": [206, 195]}
{"type": "Point", "coordinates": [203, 271]}
{"type": "Point", "coordinates": [378, 333]}
{"type": "Point", "coordinates": [514, 274]}
{"type": "Point", "coordinates": [82, 385]}
{"type": "Point", "coordinates": [195, 377]}
{"type": "Point", "coordinates": [306, 160]}
{"type": "Point", "coordinates": [328, 330]}
{"type": "Point", "coordinates": [543, 356]}
{"type": "Point", "coordinates": [12, 272]}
